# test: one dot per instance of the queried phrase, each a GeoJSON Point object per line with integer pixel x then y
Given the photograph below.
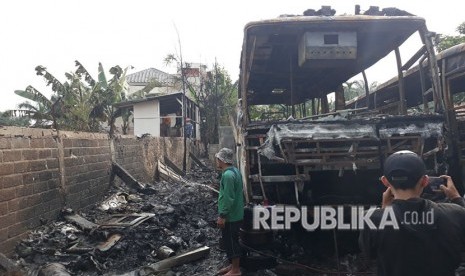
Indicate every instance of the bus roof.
{"type": "Point", "coordinates": [270, 58]}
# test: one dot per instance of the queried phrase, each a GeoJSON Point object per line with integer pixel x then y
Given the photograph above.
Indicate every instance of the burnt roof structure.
{"type": "Point", "coordinates": [273, 60]}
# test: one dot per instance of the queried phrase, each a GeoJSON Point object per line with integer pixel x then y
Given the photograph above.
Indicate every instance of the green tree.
{"type": "Point", "coordinates": [268, 112]}
{"type": "Point", "coordinates": [7, 120]}
{"type": "Point", "coordinates": [443, 42]}
{"type": "Point", "coordinates": [353, 89]}
{"type": "Point", "coordinates": [216, 96]}
{"type": "Point", "coordinates": [217, 99]}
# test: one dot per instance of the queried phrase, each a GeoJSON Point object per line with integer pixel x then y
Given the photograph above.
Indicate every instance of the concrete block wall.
{"type": "Point", "coordinates": [129, 154]}
{"type": "Point", "coordinates": [40, 173]}
{"type": "Point", "coordinates": [87, 167]}
{"type": "Point", "coordinates": [29, 182]}
{"type": "Point", "coordinates": [140, 156]}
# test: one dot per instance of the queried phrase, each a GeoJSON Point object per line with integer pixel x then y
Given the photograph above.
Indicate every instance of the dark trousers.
{"type": "Point", "coordinates": [230, 236]}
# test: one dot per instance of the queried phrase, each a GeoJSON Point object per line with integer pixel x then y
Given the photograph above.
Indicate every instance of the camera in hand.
{"type": "Point", "coordinates": [434, 182]}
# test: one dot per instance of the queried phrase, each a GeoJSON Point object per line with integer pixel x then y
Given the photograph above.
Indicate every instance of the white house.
{"type": "Point", "coordinates": [150, 112]}
{"type": "Point", "coordinates": [159, 113]}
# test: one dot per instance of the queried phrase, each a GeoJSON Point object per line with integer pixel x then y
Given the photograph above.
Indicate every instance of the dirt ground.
{"type": "Point", "coordinates": [178, 215]}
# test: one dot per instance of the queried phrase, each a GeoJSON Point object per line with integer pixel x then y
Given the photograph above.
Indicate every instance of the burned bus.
{"type": "Point", "coordinates": [300, 142]}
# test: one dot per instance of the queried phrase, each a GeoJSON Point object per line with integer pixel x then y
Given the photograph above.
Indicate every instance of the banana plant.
{"type": "Point", "coordinates": [105, 93]}
{"type": "Point", "coordinates": [68, 107]}
{"type": "Point", "coordinates": [42, 111]}
{"type": "Point", "coordinates": [81, 102]}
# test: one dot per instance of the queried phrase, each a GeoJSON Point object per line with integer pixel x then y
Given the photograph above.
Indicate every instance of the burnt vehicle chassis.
{"type": "Point", "coordinates": [336, 161]}
{"type": "Point", "coordinates": [336, 156]}
{"type": "Point", "coordinates": [299, 152]}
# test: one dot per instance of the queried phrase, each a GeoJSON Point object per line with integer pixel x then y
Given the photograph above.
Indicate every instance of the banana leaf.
{"type": "Point", "coordinates": [102, 79]}
{"type": "Point", "coordinates": [34, 95]}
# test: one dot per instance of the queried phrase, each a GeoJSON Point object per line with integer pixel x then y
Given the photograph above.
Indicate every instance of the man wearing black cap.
{"type": "Point", "coordinates": [430, 236]}
{"type": "Point", "coordinates": [230, 210]}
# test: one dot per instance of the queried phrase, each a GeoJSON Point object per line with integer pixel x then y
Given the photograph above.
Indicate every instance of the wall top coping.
{"type": "Point", "coordinates": [11, 132]}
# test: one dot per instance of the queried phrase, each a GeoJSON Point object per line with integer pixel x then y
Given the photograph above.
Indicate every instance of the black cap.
{"type": "Point", "coordinates": [403, 169]}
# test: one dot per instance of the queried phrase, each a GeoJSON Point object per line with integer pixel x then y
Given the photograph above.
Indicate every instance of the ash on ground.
{"type": "Point", "coordinates": [123, 234]}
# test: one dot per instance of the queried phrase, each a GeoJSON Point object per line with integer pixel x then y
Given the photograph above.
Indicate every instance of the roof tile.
{"type": "Point", "coordinates": [147, 75]}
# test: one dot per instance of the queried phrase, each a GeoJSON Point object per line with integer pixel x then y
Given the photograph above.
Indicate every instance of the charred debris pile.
{"type": "Point", "coordinates": [167, 228]}
{"type": "Point", "coordinates": [130, 230]}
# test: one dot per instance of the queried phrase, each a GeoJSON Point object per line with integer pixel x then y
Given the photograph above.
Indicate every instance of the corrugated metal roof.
{"type": "Point", "coordinates": [147, 75]}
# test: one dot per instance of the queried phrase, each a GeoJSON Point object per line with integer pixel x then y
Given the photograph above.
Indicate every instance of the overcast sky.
{"type": "Point", "coordinates": [140, 33]}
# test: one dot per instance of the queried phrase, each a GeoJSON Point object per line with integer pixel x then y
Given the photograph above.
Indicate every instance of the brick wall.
{"type": "Point", "coordinates": [29, 182]}
{"type": "Point", "coordinates": [128, 153]}
{"type": "Point", "coordinates": [87, 163]}
{"type": "Point", "coordinates": [41, 173]}
{"type": "Point", "coordinates": [140, 156]}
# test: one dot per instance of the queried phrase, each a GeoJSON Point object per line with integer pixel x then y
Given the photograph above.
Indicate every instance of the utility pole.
{"type": "Point", "coordinates": [184, 103]}
{"type": "Point", "coordinates": [217, 121]}
{"type": "Point", "coordinates": [184, 111]}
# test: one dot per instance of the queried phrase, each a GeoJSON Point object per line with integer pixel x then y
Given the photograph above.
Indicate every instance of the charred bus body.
{"type": "Point", "coordinates": [294, 148]}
